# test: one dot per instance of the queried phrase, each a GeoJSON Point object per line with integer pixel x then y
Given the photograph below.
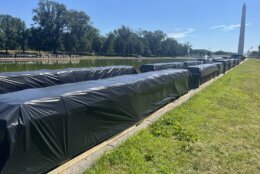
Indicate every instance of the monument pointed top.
{"type": "Point", "coordinates": [244, 5]}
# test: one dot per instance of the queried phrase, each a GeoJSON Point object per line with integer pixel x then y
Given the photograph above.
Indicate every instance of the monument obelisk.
{"type": "Point", "coordinates": [242, 32]}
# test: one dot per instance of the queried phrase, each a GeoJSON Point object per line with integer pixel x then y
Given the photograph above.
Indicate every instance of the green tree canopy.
{"type": "Point", "coordinates": [10, 31]}
{"type": "Point", "coordinates": [109, 43]}
{"type": "Point", "coordinates": [123, 35]}
{"type": "Point", "coordinates": [57, 29]}
{"type": "Point", "coordinates": [78, 27]}
{"type": "Point", "coordinates": [52, 19]}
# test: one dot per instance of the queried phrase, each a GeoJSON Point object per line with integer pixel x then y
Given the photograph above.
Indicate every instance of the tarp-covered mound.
{"type": "Point", "coordinates": [202, 73]}
{"type": "Point", "coordinates": [43, 127]}
{"type": "Point", "coordinates": [237, 61]}
{"type": "Point", "coordinates": [16, 81]}
{"type": "Point", "coordinates": [161, 66]}
{"type": "Point", "coordinates": [226, 63]}
{"type": "Point", "coordinates": [220, 66]}
{"type": "Point", "coordinates": [204, 60]}
{"type": "Point", "coordinates": [234, 62]}
{"type": "Point", "coordinates": [192, 63]}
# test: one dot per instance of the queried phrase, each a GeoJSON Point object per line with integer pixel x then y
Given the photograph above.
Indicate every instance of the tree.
{"type": "Point", "coordinates": [90, 37]}
{"type": "Point", "coordinates": [1, 40]}
{"type": "Point", "coordinates": [201, 52]}
{"type": "Point", "coordinates": [146, 51]}
{"type": "Point", "coordinates": [154, 40]}
{"type": "Point", "coordinates": [51, 18]}
{"type": "Point", "coordinates": [97, 44]}
{"type": "Point", "coordinates": [220, 52]}
{"type": "Point", "coordinates": [259, 49]}
{"type": "Point", "coordinates": [69, 42]}
{"type": "Point", "coordinates": [109, 43]}
{"type": "Point", "coordinates": [137, 46]}
{"type": "Point", "coordinates": [122, 40]}
{"type": "Point", "coordinates": [169, 47]}
{"type": "Point", "coordinates": [78, 28]}
{"type": "Point", "coordinates": [10, 29]}
{"type": "Point", "coordinates": [22, 36]}
{"type": "Point", "coordinates": [159, 36]}
{"type": "Point", "coordinates": [36, 39]}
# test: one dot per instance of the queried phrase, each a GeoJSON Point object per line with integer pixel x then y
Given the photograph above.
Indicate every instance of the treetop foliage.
{"type": "Point", "coordinates": [58, 29]}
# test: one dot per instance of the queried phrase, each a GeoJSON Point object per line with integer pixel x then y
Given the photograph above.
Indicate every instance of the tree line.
{"type": "Point", "coordinates": [57, 29]}
{"type": "Point", "coordinates": [254, 52]}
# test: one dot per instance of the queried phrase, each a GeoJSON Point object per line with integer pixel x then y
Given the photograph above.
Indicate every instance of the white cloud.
{"type": "Point", "coordinates": [181, 33]}
{"type": "Point", "coordinates": [227, 27]}
{"type": "Point", "coordinates": [230, 27]}
{"type": "Point", "coordinates": [217, 26]}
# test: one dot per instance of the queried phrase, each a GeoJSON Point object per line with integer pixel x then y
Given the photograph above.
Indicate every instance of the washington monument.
{"type": "Point", "coordinates": [242, 32]}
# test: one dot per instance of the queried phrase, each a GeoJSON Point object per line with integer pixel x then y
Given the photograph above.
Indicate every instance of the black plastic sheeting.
{"type": "Point", "coordinates": [161, 66]}
{"type": "Point", "coordinates": [16, 81]}
{"type": "Point", "coordinates": [220, 66]}
{"type": "Point", "coordinates": [226, 62]}
{"type": "Point", "coordinates": [192, 63]}
{"type": "Point", "coordinates": [234, 62]}
{"type": "Point", "coordinates": [204, 60]}
{"type": "Point", "coordinates": [202, 73]}
{"type": "Point", "coordinates": [203, 69]}
{"type": "Point", "coordinates": [44, 127]}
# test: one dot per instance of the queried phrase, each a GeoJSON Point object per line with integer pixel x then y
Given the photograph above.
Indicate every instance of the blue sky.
{"type": "Point", "coordinates": [210, 24]}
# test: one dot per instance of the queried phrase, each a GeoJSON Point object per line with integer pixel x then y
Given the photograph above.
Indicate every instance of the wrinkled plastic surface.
{"type": "Point", "coordinates": [234, 62]}
{"type": "Point", "coordinates": [161, 66]}
{"type": "Point", "coordinates": [203, 69]}
{"type": "Point", "coordinates": [192, 63]}
{"type": "Point", "coordinates": [220, 66]}
{"type": "Point", "coordinates": [44, 127]}
{"type": "Point", "coordinates": [16, 81]}
{"type": "Point", "coordinates": [226, 62]}
{"type": "Point", "coordinates": [204, 60]}
{"type": "Point", "coordinates": [202, 73]}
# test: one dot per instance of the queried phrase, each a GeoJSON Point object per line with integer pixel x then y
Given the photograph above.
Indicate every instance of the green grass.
{"type": "Point", "coordinates": [217, 131]}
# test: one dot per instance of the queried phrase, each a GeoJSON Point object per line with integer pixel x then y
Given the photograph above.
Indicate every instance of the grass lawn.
{"type": "Point", "coordinates": [217, 131]}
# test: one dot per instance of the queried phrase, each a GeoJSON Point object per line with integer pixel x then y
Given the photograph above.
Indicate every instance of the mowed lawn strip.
{"type": "Point", "coordinates": [216, 131]}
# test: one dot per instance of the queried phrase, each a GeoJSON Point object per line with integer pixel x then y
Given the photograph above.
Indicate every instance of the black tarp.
{"type": "Point", "coordinates": [230, 63]}
{"type": "Point", "coordinates": [226, 63]}
{"type": "Point", "coordinates": [16, 81]}
{"type": "Point", "coordinates": [204, 60]}
{"type": "Point", "coordinates": [237, 61]}
{"type": "Point", "coordinates": [44, 127]}
{"type": "Point", "coordinates": [192, 63]}
{"type": "Point", "coordinates": [220, 66]}
{"type": "Point", "coordinates": [234, 62]}
{"type": "Point", "coordinates": [203, 69]}
{"type": "Point", "coordinates": [202, 73]}
{"type": "Point", "coordinates": [238, 57]}
{"type": "Point", "coordinates": [161, 66]}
